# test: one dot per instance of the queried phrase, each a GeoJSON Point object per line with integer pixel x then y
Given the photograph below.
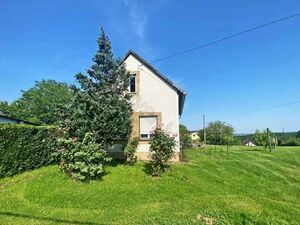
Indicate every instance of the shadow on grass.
{"type": "Point", "coordinates": [148, 168]}
{"type": "Point", "coordinates": [254, 150]}
{"type": "Point", "coordinates": [116, 162]}
{"type": "Point", "coordinates": [47, 219]}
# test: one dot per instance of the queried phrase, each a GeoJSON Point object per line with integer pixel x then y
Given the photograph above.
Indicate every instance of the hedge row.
{"type": "Point", "coordinates": [25, 147]}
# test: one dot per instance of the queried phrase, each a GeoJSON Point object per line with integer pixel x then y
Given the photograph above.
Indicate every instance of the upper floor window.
{"type": "Point", "coordinates": [132, 84]}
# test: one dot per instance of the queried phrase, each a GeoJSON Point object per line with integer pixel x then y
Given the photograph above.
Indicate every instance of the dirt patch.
{"type": "Point", "coordinates": [206, 220]}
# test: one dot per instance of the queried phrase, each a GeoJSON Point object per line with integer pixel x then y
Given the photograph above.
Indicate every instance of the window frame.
{"type": "Point", "coordinates": [149, 137]}
{"type": "Point", "coordinates": [135, 84]}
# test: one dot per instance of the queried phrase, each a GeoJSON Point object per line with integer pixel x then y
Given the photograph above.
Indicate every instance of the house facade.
{"type": "Point", "coordinates": [156, 102]}
{"type": "Point", "coordinates": [194, 135]}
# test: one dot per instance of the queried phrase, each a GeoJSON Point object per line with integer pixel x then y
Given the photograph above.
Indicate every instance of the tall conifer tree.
{"type": "Point", "coordinates": [102, 105]}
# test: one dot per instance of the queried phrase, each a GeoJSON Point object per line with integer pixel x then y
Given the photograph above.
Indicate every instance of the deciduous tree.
{"type": "Point", "coordinates": [185, 137]}
{"type": "Point", "coordinates": [218, 133]}
{"type": "Point", "coordinates": [40, 104]}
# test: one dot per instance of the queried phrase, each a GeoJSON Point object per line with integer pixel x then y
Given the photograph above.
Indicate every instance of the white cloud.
{"type": "Point", "coordinates": [138, 17]}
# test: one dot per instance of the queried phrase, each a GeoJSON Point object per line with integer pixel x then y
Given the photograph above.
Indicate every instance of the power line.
{"type": "Point", "coordinates": [258, 110]}
{"type": "Point", "coordinates": [224, 38]}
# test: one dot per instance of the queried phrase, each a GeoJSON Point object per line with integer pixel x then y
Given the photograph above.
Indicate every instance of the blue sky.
{"type": "Point", "coordinates": [56, 39]}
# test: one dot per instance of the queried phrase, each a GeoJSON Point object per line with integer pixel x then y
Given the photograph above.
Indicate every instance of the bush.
{"type": "Point", "coordinates": [130, 150]}
{"type": "Point", "coordinates": [25, 147]}
{"type": "Point", "coordinates": [288, 141]}
{"type": "Point", "coordinates": [83, 160]}
{"type": "Point", "coordinates": [161, 148]}
{"type": "Point", "coordinates": [185, 137]}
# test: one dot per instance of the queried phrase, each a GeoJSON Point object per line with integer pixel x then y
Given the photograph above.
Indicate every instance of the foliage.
{"type": "Point", "coordinates": [288, 141]}
{"type": "Point", "coordinates": [261, 138]}
{"type": "Point", "coordinates": [41, 104]}
{"type": "Point", "coordinates": [130, 150]}
{"type": "Point", "coordinates": [101, 105]}
{"type": "Point", "coordinates": [231, 140]}
{"type": "Point", "coordinates": [284, 139]}
{"type": "Point", "coordinates": [25, 147]}
{"type": "Point", "coordinates": [298, 134]}
{"type": "Point", "coordinates": [218, 133]}
{"type": "Point", "coordinates": [4, 108]}
{"type": "Point", "coordinates": [161, 148]}
{"type": "Point", "coordinates": [185, 137]}
{"type": "Point", "coordinates": [83, 160]}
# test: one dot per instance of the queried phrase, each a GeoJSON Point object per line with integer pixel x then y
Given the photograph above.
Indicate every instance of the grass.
{"type": "Point", "coordinates": [251, 186]}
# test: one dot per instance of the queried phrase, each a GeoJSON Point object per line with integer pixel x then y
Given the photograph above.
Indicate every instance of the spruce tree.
{"type": "Point", "coordinates": [102, 105]}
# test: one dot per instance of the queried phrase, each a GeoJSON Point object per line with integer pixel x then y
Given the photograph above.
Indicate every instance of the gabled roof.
{"type": "Point", "coordinates": [181, 93]}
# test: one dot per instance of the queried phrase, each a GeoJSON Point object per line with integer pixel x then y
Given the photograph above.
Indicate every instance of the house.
{"type": "Point", "coordinates": [8, 119]}
{"type": "Point", "coordinates": [249, 143]}
{"type": "Point", "coordinates": [157, 101]}
{"type": "Point", "coordinates": [194, 135]}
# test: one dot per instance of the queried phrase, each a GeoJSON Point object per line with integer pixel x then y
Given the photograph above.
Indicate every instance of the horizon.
{"type": "Point", "coordinates": [251, 82]}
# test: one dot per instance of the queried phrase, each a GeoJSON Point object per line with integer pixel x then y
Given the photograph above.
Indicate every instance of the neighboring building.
{"type": "Point", "coordinates": [156, 102]}
{"type": "Point", "coordinates": [194, 135]}
{"type": "Point", "coordinates": [8, 119]}
{"type": "Point", "coordinates": [249, 143]}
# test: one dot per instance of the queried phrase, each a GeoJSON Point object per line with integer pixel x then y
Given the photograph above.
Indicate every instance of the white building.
{"type": "Point", "coordinates": [250, 143]}
{"type": "Point", "coordinates": [156, 102]}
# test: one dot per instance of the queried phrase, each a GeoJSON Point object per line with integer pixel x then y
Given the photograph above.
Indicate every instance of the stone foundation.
{"type": "Point", "coordinates": [145, 156]}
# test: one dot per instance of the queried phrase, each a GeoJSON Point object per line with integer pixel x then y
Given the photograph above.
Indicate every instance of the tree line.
{"type": "Point", "coordinates": [221, 133]}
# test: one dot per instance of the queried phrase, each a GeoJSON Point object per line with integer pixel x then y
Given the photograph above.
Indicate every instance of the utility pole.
{"type": "Point", "coordinates": [204, 131]}
{"type": "Point", "coordinates": [269, 140]}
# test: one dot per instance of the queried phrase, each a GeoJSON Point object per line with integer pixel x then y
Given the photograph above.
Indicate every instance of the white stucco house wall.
{"type": "Point", "coordinates": [156, 102]}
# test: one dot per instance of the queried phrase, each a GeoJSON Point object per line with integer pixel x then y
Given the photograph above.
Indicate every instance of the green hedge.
{"type": "Point", "coordinates": [25, 147]}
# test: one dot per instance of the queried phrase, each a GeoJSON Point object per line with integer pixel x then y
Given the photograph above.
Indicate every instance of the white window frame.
{"type": "Point", "coordinates": [135, 83]}
{"type": "Point", "coordinates": [149, 136]}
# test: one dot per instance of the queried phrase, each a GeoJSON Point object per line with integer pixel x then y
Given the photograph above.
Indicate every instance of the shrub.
{"type": "Point", "coordinates": [161, 148]}
{"type": "Point", "coordinates": [289, 141]}
{"type": "Point", "coordinates": [25, 147]}
{"type": "Point", "coordinates": [130, 150]}
{"type": "Point", "coordinates": [185, 137]}
{"type": "Point", "coordinates": [83, 160]}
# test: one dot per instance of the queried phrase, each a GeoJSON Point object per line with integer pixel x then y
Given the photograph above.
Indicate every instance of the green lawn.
{"type": "Point", "coordinates": [252, 186]}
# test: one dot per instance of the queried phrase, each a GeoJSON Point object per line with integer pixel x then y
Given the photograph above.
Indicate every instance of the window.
{"type": "Point", "coordinates": [132, 84]}
{"type": "Point", "coordinates": [147, 125]}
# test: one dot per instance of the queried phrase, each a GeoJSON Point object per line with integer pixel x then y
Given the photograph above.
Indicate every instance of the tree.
{"type": "Point", "coordinates": [185, 137]}
{"type": "Point", "coordinates": [218, 133]}
{"type": "Point", "coordinates": [261, 138]}
{"type": "Point", "coordinates": [40, 104]}
{"type": "Point", "coordinates": [102, 105]}
{"type": "Point", "coordinates": [4, 108]}
{"type": "Point", "coordinates": [298, 134]}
